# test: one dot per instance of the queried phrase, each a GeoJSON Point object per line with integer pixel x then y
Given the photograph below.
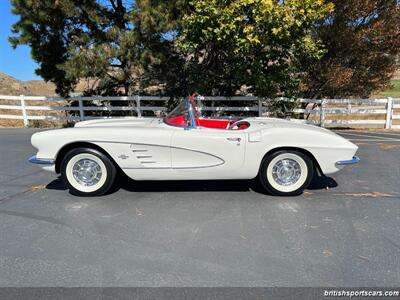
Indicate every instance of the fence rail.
{"type": "Point", "coordinates": [323, 112]}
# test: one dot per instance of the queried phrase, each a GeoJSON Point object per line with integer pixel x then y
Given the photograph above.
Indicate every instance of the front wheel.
{"type": "Point", "coordinates": [87, 172]}
{"type": "Point", "coordinates": [286, 173]}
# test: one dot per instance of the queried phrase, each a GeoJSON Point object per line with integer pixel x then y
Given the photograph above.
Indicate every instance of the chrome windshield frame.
{"type": "Point", "coordinates": [191, 115]}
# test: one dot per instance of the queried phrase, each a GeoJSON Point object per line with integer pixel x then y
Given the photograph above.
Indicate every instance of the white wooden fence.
{"type": "Point", "coordinates": [324, 112]}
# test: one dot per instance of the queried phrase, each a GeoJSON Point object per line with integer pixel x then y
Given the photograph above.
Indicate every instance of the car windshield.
{"type": "Point", "coordinates": [182, 115]}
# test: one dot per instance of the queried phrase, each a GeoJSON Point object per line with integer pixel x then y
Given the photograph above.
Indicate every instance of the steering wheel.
{"type": "Point", "coordinates": [239, 125]}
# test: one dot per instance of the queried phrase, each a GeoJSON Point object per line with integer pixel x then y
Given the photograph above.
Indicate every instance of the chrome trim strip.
{"type": "Point", "coordinates": [41, 161]}
{"type": "Point", "coordinates": [353, 161]}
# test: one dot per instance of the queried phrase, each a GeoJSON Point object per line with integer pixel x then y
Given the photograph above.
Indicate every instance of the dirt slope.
{"type": "Point", "coordinates": [11, 86]}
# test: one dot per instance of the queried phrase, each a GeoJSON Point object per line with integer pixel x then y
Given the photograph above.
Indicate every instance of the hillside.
{"type": "Point", "coordinates": [11, 86]}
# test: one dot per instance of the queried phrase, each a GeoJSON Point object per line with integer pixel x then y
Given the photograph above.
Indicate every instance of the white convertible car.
{"type": "Point", "coordinates": [182, 146]}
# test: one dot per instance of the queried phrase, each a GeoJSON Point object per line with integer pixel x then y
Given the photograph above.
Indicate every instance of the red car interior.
{"type": "Point", "coordinates": [177, 121]}
{"type": "Point", "coordinates": [213, 123]}
{"type": "Point", "coordinates": [209, 123]}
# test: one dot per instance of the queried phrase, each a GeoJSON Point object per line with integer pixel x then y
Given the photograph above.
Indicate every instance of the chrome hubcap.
{"type": "Point", "coordinates": [87, 172]}
{"type": "Point", "coordinates": [286, 172]}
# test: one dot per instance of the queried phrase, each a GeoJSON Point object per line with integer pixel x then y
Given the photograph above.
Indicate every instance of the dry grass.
{"type": "Point", "coordinates": [389, 146]}
{"type": "Point", "coordinates": [11, 123]}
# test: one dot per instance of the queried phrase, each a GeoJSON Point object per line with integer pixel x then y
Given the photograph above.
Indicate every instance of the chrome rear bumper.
{"type": "Point", "coordinates": [41, 161]}
{"type": "Point", "coordinates": [352, 161]}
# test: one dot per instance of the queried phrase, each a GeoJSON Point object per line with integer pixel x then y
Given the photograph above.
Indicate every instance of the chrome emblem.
{"type": "Point", "coordinates": [123, 156]}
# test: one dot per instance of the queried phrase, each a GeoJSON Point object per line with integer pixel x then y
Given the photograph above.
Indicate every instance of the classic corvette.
{"type": "Point", "coordinates": [184, 146]}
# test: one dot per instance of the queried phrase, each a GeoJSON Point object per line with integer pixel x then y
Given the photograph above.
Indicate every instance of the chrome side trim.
{"type": "Point", "coordinates": [353, 161]}
{"type": "Point", "coordinates": [41, 161]}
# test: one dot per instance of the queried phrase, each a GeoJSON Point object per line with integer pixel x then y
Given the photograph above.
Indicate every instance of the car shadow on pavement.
{"type": "Point", "coordinates": [56, 184]}
{"type": "Point", "coordinates": [125, 183]}
{"type": "Point", "coordinates": [320, 182]}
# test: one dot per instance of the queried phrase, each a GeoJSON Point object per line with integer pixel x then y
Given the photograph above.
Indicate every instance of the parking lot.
{"type": "Point", "coordinates": [343, 231]}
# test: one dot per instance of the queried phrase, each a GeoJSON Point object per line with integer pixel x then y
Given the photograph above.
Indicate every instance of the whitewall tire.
{"type": "Point", "coordinates": [87, 172]}
{"type": "Point", "coordinates": [286, 172]}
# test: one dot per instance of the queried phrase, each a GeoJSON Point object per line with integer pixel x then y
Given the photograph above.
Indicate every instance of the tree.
{"type": "Point", "coordinates": [232, 44]}
{"type": "Point", "coordinates": [122, 45]}
{"type": "Point", "coordinates": [362, 42]}
{"type": "Point", "coordinates": [270, 48]}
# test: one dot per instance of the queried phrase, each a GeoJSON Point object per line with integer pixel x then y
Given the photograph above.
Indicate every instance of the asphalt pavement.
{"type": "Point", "coordinates": [343, 231]}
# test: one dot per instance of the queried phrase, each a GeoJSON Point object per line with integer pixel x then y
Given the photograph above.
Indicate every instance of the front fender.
{"type": "Point", "coordinates": [325, 146]}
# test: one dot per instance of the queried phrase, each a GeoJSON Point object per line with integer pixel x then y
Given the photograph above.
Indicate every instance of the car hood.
{"type": "Point", "coordinates": [119, 122]}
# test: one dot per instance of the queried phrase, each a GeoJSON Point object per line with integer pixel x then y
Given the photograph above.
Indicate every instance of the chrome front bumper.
{"type": "Point", "coordinates": [353, 161]}
{"type": "Point", "coordinates": [41, 161]}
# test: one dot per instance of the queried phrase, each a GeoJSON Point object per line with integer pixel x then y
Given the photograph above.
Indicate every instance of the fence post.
{"type": "Point", "coordinates": [259, 107]}
{"type": "Point", "coordinates": [389, 113]}
{"type": "Point", "coordinates": [23, 109]}
{"type": "Point", "coordinates": [322, 114]}
{"type": "Point", "coordinates": [81, 111]}
{"type": "Point", "coordinates": [138, 111]}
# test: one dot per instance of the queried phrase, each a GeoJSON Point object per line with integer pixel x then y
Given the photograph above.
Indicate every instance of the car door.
{"type": "Point", "coordinates": [218, 149]}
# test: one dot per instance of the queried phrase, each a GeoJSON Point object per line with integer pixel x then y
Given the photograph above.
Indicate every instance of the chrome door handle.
{"type": "Point", "coordinates": [234, 139]}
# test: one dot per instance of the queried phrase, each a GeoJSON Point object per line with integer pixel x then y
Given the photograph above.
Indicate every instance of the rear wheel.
{"type": "Point", "coordinates": [87, 172]}
{"type": "Point", "coordinates": [286, 173]}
